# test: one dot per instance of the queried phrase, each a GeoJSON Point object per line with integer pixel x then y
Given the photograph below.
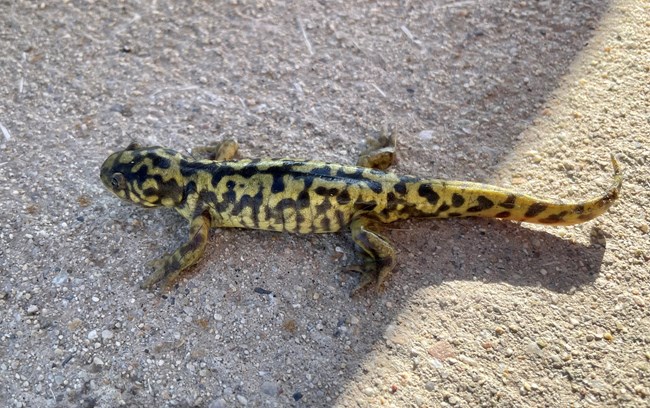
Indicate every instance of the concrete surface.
{"type": "Point", "coordinates": [532, 95]}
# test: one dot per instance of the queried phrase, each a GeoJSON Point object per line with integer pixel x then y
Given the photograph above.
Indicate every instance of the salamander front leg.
{"type": "Point", "coordinates": [221, 151]}
{"type": "Point", "coordinates": [377, 253]}
{"type": "Point", "coordinates": [167, 268]}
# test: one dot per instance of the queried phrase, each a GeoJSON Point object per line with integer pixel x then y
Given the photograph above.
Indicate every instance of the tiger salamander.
{"type": "Point", "coordinates": [313, 197]}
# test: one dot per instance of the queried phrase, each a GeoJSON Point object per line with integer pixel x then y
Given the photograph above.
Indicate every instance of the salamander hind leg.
{"type": "Point", "coordinates": [226, 150]}
{"type": "Point", "coordinates": [168, 268]}
{"type": "Point", "coordinates": [377, 253]}
{"type": "Point", "coordinates": [380, 153]}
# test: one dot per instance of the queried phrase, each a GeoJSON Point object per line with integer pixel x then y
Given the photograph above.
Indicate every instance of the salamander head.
{"type": "Point", "coordinates": [148, 176]}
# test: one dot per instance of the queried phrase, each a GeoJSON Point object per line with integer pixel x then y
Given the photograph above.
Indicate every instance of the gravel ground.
{"type": "Point", "coordinates": [531, 95]}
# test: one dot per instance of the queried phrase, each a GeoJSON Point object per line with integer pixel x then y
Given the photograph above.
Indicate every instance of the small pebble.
{"type": "Point", "coordinates": [533, 349]}
{"type": "Point", "coordinates": [218, 403]}
{"type": "Point", "coordinates": [74, 324]}
{"type": "Point", "coordinates": [242, 400]}
{"type": "Point", "coordinates": [92, 335]}
{"type": "Point", "coordinates": [270, 388]}
{"type": "Point", "coordinates": [32, 309]}
{"type": "Point", "coordinates": [107, 334]}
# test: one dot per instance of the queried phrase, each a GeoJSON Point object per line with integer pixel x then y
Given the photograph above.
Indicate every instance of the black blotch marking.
{"type": "Point", "coordinates": [227, 198]}
{"type": "Point", "coordinates": [191, 167]}
{"type": "Point", "coordinates": [343, 198]}
{"type": "Point", "coordinates": [323, 206]}
{"type": "Point", "coordinates": [444, 207]}
{"type": "Point", "coordinates": [270, 214]}
{"type": "Point", "coordinates": [375, 186]}
{"type": "Point", "coordinates": [300, 218]}
{"type": "Point", "coordinates": [150, 191]}
{"type": "Point", "coordinates": [325, 224]}
{"type": "Point", "coordinates": [278, 184]}
{"type": "Point", "coordinates": [509, 203]}
{"type": "Point", "coordinates": [357, 174]}
{"type": "Point", "coordinates": [131, 176]}
{"type": "Point", "coordinates": [190, 188]}
{"type": "Point", "coordinates": [503, 214]}
{"type": "Point", "coordinates": [554, 218]}
{"type": "Point", "coordinates": [400, 188]}
{"type": "Point", "coordinates": [217, 172]}
{"type": "Point", "coordinates": [411, 211]}
{"type": "Point", "coordinates": [484, 203]}
{"type": "Point", "coordinates": [327, 192]}
{"type": "Point", "coordinates": [169, 188]}
{"type": "Point", "coordinates": [324, 171]}
{"type": "Point", "coordinates": [391, 203]}
{"type": "Point", "coordinates": [286, 203]}
{"type": "Point", "coordinates": [454, 214]}
{"type": "Point", "coordinates": [302, 201]}
{"type": "Point", "coordinates": [161, 162]}
{"type": "Point", "coordinates": [340, 218]}
{"type": "Point", "coordinates": [365, 205]}
{"type": "Point", "coordinates": [535, 209]}
{"type": "Point", "coordinates": [308, 180]}
{"type": "Point", "coordinates": [427, 192]}
{"type": "Point", "coordinates": [457, 200]}
{"type": "Point", "coordinates": [579, 209]}
{"type": "Point", "coordinates": [208, 197]}
{"type": "Point", "coordinates": [248, 171]}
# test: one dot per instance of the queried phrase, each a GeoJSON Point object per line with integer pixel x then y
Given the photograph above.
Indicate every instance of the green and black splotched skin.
{"type": "Point", "coordinates": [313, 197]}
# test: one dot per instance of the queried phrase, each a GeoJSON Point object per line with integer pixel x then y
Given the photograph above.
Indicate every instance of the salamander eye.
{"type": "Point", "coordinates": [118, 181]}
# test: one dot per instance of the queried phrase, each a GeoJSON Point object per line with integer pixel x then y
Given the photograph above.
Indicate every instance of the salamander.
{"type": "Point", "coordinates": [301, 196]}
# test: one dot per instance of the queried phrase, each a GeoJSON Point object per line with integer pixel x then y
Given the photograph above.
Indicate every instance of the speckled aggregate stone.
{"type": "Point", "coordinates": [531, 95]}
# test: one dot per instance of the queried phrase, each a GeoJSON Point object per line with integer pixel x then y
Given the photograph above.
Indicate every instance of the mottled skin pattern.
{"type": "Point", "coordinates": [313, 197]}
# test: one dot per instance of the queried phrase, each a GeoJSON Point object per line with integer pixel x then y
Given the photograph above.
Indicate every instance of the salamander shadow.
{"type": "Point", "coordinates": [493, 251]}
